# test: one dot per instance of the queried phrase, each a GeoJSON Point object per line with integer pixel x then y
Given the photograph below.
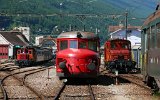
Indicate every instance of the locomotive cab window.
{"type": "Point", "coordinates": [113, 45]}
{"type": "Point", "coordinates": [18, 52]}
{"type": "Point", "coordinates": [92, 45]}
{"type": "Point", "coordinates": [63, 45]}
{"type": "Point", "coordinates": [82, 44]}
{"type": "Point", "coordinates": [30, 52]}
{"type": "Point", "coordinates": [22, 51]}
{"type": "Point", "coordinates": [125, 45]}
{"type": "Point", "coordinates": [73, 44]}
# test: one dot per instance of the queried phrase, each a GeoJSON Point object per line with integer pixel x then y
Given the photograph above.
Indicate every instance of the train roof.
{"type": "Point", "coordinates": [34, 47]}
{"type": "Point", "coordinates": [151, 18]}
{"type": "Point", "coordinates": [117, 40]}
{"type": "Point", "coordinates": [78, 34]}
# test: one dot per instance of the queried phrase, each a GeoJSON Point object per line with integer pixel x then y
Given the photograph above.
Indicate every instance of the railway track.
{"type": "Point", "coordinates": [3, 92]}
{"type": "Point", "coordinates": [21, 82]}
{"type": "Point", "coordinates": [103, 88]}
{"type": "Point", "coordinates": [65, 88]}
{"type": "Point", "coordinates": [126, 77]}
{"type": "Point", "coordinates": [135, 80]}
{"type": "Point", "coordinates": [18, 75]}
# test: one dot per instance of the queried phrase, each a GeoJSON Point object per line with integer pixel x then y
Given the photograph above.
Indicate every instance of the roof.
{"type": "Point", "coordinates": [78, 34]}
{"type": "Point", "coordinates": [15, 37]}
{"type": "Point", "coordinates": [117, 40]}
{"type": "Point", "coordinates": [136, 47]}
{"type": "Point", "coordinates": [152, 17]}
{"type": "Point", "coordinates": [122, 33]}
{"type": "Point", "coordinates": [115, 28]}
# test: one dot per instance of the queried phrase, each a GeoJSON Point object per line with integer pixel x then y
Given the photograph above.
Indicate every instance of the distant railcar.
{"type": "Point", "coordinates": [117, 55]}
{"type": "Point", "coordinates": [31, 55]}
{"type": "Point", "coordinates": [77, 55]}
{"type": "Point", "coordinates": [151, 50]}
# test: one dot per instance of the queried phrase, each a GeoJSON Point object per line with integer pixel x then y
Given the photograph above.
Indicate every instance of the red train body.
{"type": "Point", "coordinates": [78, 55]}
{"type": "Point", "coordinates": [117, 55]}
{"type": "Point", "coordinates": [27, 56]}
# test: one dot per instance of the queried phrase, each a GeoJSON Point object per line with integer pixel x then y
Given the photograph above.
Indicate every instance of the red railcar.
{"type": "Point", "coordinates": [117, 55]}
{"type": "Point", "coordinates": [77, 55]}
{"type": "Point", "coordinates": [31, 55]}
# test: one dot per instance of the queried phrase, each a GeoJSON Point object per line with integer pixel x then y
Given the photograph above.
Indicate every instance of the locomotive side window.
{"type": "Point", "coordinates": [158, 35]}
{"type": "Point", "coordinates": [73, 44]}
{"type": "Point", "coordinates": [63, 45]}
{"type": "Point", "coordinates": [82, 44]}
{"type": "Point", "coordinates": [113, 45]}
{"type": "Point", "coordinates": [145, 41]}
{"type": "Point", "coordinates": [92, 45]}
{"type": "Point", "coordinates": [30, 52]}
{"type": "Point", "coordinates": [153, 37]}
{"type": "Point", "coordinates": [18, 52]}
{"type": "Point", "coordinates": [148, 37]}
{"type": "Point", "coordinates": [22, 51]}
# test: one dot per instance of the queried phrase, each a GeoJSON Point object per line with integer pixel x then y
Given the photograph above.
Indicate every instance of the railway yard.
{"type": "Point", "coordinates": [41, 82]}
{"type": "Point", "coordinates": [80, 50]}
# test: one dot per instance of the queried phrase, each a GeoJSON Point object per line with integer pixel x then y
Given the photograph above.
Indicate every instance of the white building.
{"type": "Point", "coordinates": [133, 35]}
{"type": "Point", "coordinates": [38, 40]}
{"type": "Point", "coordinates": [25, 31]}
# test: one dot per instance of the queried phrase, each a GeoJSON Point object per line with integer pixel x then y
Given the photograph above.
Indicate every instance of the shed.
{"type": "Point", "coordinates": [9, 40]}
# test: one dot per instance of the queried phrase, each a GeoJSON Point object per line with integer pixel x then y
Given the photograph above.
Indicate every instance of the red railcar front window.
{"type": "Point", "coordinates": [63, 45]}
{"type": "Point", "coordinates": [74, 44]}
{"type": "Point", "coordinates": [79, 43]}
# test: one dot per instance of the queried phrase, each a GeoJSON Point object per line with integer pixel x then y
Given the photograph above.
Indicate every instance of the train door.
{"type": "Point", "coordinates": [18, 54]}
{"type": "Point", "coordinates": [30, 53]}
{"type": "Point", "coordinates": [107, 51]}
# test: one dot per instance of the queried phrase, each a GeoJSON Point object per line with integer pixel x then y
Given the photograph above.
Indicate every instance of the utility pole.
{"type": "Point", "coordinates": [126, 22]}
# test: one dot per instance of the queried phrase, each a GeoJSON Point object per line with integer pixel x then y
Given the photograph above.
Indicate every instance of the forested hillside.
{"type": "Point", "coordinates": [54, 16]}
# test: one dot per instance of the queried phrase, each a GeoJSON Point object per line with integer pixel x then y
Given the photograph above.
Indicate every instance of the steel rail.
{"type": "Point", "coordinates": [5, 96]}
{"type": "Point", "coordinates": [91, 92]}
{"type": "Point", "coordinates": [60, 91]}
{"type": "Point", "coordinates": [12, 74]}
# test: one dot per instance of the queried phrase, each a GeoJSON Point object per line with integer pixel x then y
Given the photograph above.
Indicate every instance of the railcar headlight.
{"type": "Point", "coordinates": [62, 64]}
{"type": "Point", "coordinates": [91, 66]}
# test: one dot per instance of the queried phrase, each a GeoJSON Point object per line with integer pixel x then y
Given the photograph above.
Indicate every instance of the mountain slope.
{"type": "Point", "coordinates": [46, 24]}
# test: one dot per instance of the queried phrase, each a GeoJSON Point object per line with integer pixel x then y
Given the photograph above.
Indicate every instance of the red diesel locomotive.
{"type": "Point", "coordinates": [31, 55]}
{"type": "Point", "coordinates": [117, 55]}
{"type": "Point", "coordinates": [77, 55]}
